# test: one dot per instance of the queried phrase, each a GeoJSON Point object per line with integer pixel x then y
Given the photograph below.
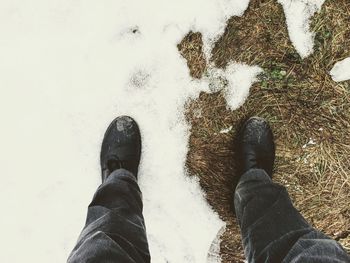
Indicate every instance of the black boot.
{"type": "Point", "coordinates": [257, 148]}
{"type": "Point", "coordinates": [121, 147]}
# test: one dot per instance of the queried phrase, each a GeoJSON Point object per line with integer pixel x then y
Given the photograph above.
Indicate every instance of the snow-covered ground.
{"type": "Point", "coordinates": [341, 70]}
{"type": "Point", "coordinates": [67, 68]}
{"type": "Point", "coordinates": [298, 14]}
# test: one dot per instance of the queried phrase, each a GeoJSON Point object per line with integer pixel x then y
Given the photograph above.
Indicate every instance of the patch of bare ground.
{"type": "Point", "coordinates": [298, 98]}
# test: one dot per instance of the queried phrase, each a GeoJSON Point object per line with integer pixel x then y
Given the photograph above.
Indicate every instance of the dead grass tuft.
{"type": "Point", "coordinates": [299, 99]}
{"type": "Point", "coordinates": [191, 49]}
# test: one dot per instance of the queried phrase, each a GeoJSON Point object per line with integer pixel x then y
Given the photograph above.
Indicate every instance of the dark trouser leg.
{"type": "Point", "coordinates": [115, 228]}
{"type": "Point", "coordinates": [273, 230]}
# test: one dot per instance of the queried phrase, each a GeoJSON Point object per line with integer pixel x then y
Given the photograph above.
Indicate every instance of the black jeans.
{"type": "Point", "coordinates": [115, 229]}
{"type": "Point", "coordinates": [272, 229]}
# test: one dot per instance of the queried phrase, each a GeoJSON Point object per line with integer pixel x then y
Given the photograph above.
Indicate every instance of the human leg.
{"type": "Point", "coordinates": [115, 228]}
{"type": "Point", "coordinates": [272, 229]}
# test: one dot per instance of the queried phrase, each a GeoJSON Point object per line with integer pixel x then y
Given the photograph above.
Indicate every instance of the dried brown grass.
{"type": "Point", "coordinates": [297, 97]}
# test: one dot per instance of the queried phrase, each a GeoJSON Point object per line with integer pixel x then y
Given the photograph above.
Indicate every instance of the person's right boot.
{"type": "Point", "coordinates": [256, 146]}
{"type": "Point", "coordinates": [121, 147]}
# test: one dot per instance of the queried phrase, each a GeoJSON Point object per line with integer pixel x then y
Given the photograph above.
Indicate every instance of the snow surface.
{"type": "Point", "coordinates": [298, 14]}
{"type": "Point", "coordinates": [240, 77]}
{"type": "Point", "coordinates": [341, 70]}
{"type": "Point", "coordinates": [68, 68]}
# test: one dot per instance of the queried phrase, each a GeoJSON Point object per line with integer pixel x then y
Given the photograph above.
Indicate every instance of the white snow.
{"type": "Point", "coordinates": [240, 77]}
{"type": "Point", "coordinates": [235, 81]}
{"type": "Point", "coordinates": [298, 14]}
{"type": "Point", "coordinates": [341, 70]}
{"type": "Point", "coordinates": [214, 250]}
{"type": "Point", "coordinates": [311, 142]}
{"type": "Point", "coordinates": [227, 130]}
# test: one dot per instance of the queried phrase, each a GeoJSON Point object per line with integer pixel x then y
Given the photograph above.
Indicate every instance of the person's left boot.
{"type": "Point", "coordinates": [121, 147]}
